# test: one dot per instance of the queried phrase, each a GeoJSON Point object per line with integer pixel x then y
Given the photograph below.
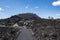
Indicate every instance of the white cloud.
{"type": "Point", "coordinates": [37, 7]}
{"type": "Point", "coordinates": [56, 3]}
{"type": "Point", "coordinates": [57, 14]}
{"type": "Point", "coordinates": [26, 7]}
{"type": "Point", "coordinates": [1, 9]}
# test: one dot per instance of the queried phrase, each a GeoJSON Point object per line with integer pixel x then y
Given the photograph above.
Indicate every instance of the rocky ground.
{"type": "Point", "coordinates": [36, 28]}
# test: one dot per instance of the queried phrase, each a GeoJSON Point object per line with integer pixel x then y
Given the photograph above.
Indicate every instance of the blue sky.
{"type": "Point", "coordinates": [42, 8]}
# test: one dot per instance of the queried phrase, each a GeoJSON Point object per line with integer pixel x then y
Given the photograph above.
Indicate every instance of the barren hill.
{"type": "Point", "coordinates": [42, 29]}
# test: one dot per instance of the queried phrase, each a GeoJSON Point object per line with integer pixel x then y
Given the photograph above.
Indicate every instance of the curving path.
{"type": "Point", "coordinates": [25, 34]}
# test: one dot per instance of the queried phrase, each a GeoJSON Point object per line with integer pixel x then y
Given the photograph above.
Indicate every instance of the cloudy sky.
{"type": "Point", "coordinates": [42, 8]}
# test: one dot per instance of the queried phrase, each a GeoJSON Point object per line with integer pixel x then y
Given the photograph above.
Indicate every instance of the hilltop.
{"type": "Point", "coordinates": [14, 19]}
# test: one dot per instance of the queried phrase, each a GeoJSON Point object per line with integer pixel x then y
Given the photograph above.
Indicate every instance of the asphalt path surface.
{"type": "Point", "coordinates": [26, 34]}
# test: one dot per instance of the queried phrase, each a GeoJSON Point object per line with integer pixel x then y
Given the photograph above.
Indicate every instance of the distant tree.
{"type": "Point", "coordinates": [50, 17]}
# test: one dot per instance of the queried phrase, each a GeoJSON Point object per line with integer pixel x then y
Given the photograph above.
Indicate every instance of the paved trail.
{"type": "Point", "coordinates": [25, 34]}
